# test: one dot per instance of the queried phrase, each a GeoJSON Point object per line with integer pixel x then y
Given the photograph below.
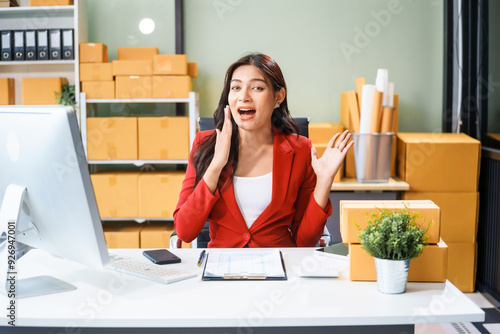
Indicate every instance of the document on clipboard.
{"type": "Point", "coordinates": [244, 265]}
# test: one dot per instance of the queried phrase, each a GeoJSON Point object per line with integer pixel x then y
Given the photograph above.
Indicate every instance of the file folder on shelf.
{"type": "Point", "coordinates": [7, 38]}
{"type": "Point", "coordinates": [30, 44]}
{"type": "Point", "coordinates": [68, 44]}
{"type": "Point", "coordinates": [55, 44]}
{"type": "Point", "coordinates": [244, 265]}
{"type": "Point", "coordinates": [18, 45]}
{"type": "Point", "coordinates": [42, 46]}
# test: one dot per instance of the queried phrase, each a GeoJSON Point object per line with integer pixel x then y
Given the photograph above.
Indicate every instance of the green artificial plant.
{"type": "Point", "coordinates": [394, 235]}
{"type": "Point", "coordinates": [67, 96]}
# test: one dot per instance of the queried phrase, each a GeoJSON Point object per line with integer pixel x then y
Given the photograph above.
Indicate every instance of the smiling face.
{"type": "Point", "coordinates": [252, 99]}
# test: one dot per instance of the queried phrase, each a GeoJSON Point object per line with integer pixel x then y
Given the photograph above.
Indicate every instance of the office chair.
{"type": "Point", "coordinates": [208, 123]}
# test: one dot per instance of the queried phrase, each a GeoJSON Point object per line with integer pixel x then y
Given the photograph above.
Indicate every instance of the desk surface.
{"type": "Point", "coordinates": [108, 299]}
{"type": "Point", "coordinates": [352, 184]}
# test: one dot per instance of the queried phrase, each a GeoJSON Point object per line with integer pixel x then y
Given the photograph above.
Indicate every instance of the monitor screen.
{"type": "Point", "coordinates": [41, 153]}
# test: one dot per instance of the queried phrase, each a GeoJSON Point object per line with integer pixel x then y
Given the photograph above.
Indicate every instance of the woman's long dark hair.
{"type": "Point", "coordinates": [280, 118]}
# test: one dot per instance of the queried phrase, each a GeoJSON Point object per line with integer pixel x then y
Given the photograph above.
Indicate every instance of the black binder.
{"type": "Point", "coordinates": [67, 44]}
{"type": "Point", "coordinates": [7, 39]}
{"type": "Point", "coordinates": [42, 45]}
{"type": "Point", "coordinates": [55, 44]}
{"type": "Point", "coordinates": [30, 44]}
{"type": "Point", "coordinates": [19, 45]}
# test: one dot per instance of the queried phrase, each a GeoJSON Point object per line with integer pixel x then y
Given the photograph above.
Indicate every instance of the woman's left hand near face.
{"type": "Point", "coordinates": [327, 166]}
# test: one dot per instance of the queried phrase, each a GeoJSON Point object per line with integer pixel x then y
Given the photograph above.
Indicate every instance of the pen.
{"type": "Point", "coordinates": [202, 256]}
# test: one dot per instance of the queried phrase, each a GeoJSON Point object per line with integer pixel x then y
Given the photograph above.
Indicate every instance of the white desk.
{"type": "Point", "coordinates": [107, 299]}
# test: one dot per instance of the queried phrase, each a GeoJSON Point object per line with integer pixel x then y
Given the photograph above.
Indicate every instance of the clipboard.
{"type": "Point", "coordinates": [245, 275]}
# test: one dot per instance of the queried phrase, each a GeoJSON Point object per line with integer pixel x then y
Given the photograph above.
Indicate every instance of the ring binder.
{"type": "Point", "coordinates": [42, 47]}
{"type": "Point", "coordinates": [30, 44]}
{"type": "Point", "coordinates": [19, 45]}
{"type": "Point", "coordinates": [55, 44]}
{"type": "Point", "coordinates": [7, 38]}
{"type": "Point", "coordinates": [68, 44]}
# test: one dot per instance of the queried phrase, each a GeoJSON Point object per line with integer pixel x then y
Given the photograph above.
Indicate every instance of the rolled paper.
{"type": "Point", "coordinates": [381, 83]}
{"type": "Point", "coordinates": [395, 116]}
{"type": "Point", "coordinates": [387, 119]}
{"type": "Point", "coordinates": [390, 94]}
{"type": "Point", "coordinates": [377, 112]}
{"type": "Point", "coordinates": [367, 109]}
{"type": "Point", "coordinates": [360, 82]}
{"type": "Point", "coordinates": [353, 110]}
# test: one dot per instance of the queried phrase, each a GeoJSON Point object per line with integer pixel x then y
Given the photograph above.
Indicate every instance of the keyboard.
{"type": "Point", "coordinates": [150, 271]}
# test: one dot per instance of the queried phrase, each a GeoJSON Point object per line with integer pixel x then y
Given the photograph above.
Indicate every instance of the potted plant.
{"type": "Point", "coordinates": [67, 96]}
{"type": "Point", "coordinates": [393, 238]}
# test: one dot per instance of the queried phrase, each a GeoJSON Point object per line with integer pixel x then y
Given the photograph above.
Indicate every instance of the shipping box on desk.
{"type": "Point", "coordinates": [171, 86]}
{"type": "Point", "coordinates": [354, 213]}
{"type": "Point", "coordinates": [122, 235]}
{"type": "Point", "coordinates": [41, 90]}
{"type": "Point", "coordinates": [7, 91]}
{"type": "Point", "coordinates": [112, 138]}
{"type": "Point", "coordinates": [116, 194]}
{"type": "Point", "coordinates": [430, 266]}
{"type": "Point", "coordinates": [99, 89]}
{"type": "Point", "coordinates": [133, 87]}
{"type": "Point", "coordinates": [93, 53]}
{"type": "Point", "coordinates": [170, 64]}
{"type": "Point", "coordinates": [132, 67]}
{"type": "Point", "coordinates": [96, 72]}
{"type": "Point", "coordinates": [163, 138]}
{"type": "Point", "coordinates": [137, 53]}
{"type": "Point", "coordinates": [459, 213]}
{"type": "Point", "coordinates": [440, 162]}
{"type": "Point", "coordinates": [462, 262]}
{"type": "Point", "coordinates": [159, 193]}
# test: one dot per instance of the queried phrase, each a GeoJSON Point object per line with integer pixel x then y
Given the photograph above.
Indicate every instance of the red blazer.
{"type": "Point", "coordinates": [293, 218]}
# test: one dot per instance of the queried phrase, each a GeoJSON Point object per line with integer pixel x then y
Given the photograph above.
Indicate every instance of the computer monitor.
{"type": "Point", "coordinates": [46, 194]}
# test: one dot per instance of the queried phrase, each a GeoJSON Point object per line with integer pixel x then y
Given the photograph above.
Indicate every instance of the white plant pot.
{"type": "Point", "coordinates": [392, 275]}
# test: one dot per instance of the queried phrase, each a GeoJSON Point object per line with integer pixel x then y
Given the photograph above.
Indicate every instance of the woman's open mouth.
{"type": "Point", "coordinates": [246, 113]}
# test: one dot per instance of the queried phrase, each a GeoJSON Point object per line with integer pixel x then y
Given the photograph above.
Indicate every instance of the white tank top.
{"type": "Point", "coordinates": [253, 195]}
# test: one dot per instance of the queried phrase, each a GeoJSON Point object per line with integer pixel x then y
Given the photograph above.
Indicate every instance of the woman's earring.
{"type": "Point", "coordinates": [277, 105]}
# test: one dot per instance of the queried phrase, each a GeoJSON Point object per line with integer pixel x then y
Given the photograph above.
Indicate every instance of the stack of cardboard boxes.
{"type": "Point", "coordinates": [444, 168]}
{"type": "Point", "coordinates": [430, 266]}
{"type": "Point", "coordinates": [7, 91]}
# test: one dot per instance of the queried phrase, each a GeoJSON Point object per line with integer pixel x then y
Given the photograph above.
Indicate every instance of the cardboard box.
{"type": "Point", "coordinates": [99, 89]}
{"type": "Point", "coordinates": [137, 53]}
{"type": "Point", "coordinates": [35, 3]}
{"type": "Point", "coordinates": [132, 67]}
{"type": "Point", "coordinates": [122, 235]}
{"type": "Point", "coordinates": [163, 138]}
{"type": "Point", "coordinates": [159, 193]}
{"type": "Point", "coordinates": [170, 64]}
{"type": "Point", "coordinates": [441, 162]}
{"type": "Point", "coordinates": [96, 72]}
{"type": "Point", "coordinates": [116, 194]}
{"type": "Point", "coordinates": [156, 235]}
{"type": "Point", "coordinates": [133, 87]}
{"type": "Point", "coordinates": [321, 133]}
{"type": "Point", "coordinates": [93, 53]}
{"type": "Point", "coordinates": [41, 90]}
{"type": "Point", "coordinates": [111, 138]}
{"type": "Point", "coordinates": [459, 213]}
{"type": "Point", "coordinates": [172, 87]}
{"type": "Point", "coordinates": [462, 262]}
{"type": "Point", "coordinates": [7, 91]}
{"type": "Point", "coordinates": [193, 69]}
{"type": "Point", "coordinates": [354, 213]}
{"type": "Point", "coordinates": [430, 266]}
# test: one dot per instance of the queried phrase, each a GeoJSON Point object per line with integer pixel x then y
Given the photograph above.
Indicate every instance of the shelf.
{"type": "Point", "coordinates": [52, 11]}
{"type": "Point", "coordinates": [186, 100]}
{"type": "Point", "coordinates": [37, 62]}
{"type": "Point", "coordinates": [137, 163]}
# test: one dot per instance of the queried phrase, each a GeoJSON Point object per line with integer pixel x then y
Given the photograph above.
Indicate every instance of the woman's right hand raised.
{"type": "Point", "coordinates": [221, 153]}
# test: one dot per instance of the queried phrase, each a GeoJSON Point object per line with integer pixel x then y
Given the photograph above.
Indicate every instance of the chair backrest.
{"type": "Point", "coordinates": [207, 123]}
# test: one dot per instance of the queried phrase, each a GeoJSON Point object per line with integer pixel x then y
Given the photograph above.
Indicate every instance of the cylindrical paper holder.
{"type": "Point", "coordinates": [372, 156]}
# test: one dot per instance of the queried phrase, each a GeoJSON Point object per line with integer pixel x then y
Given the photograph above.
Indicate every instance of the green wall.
{"type": "Point", "coordinates": [321, 46]}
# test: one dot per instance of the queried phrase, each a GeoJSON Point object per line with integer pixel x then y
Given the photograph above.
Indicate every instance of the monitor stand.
{"type": "Point", "coordinates": [12, 216]}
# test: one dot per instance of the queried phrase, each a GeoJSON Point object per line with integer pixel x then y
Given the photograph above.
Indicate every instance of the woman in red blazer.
{"type": "Point", "coordinates": [255, 136]}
